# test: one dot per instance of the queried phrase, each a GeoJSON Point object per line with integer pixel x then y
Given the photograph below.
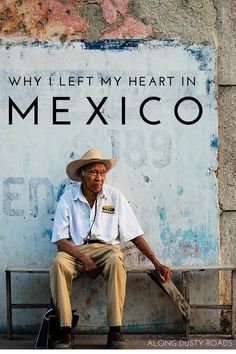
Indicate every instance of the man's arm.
{"type": "Point", "coordinates": [163, 272]}
{"type": "Point", "coordinates": [90, 267]}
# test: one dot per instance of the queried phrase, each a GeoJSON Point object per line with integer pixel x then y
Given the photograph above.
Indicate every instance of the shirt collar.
{"type": "Point", "coordinates": [78, 194]}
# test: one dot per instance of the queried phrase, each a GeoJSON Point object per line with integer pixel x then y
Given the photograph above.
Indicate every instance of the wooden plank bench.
{"type": "Point", "coordinates": [182, 301]}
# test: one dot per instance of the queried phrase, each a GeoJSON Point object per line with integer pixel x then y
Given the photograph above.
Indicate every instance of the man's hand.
{"type": "Point", "coordinates": [163, 272]}
{"type": "Point", "coordinates": [90, 266]}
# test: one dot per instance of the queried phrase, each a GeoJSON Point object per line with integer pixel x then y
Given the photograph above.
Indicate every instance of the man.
{"type": "Point", "coordinates": [90, 222]}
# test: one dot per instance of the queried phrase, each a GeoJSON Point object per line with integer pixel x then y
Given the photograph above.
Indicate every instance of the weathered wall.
{"type": "Point", "coordinates": [226, 11]}
{"type": "Point", "coordinates": [190, 22]}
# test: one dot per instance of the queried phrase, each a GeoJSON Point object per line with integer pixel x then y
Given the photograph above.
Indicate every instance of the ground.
{"type": "Point", "coordinates": [135, 341]}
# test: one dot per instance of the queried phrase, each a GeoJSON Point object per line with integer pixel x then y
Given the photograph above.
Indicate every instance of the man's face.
{"type": "Point", "coordinates": [94, 176]}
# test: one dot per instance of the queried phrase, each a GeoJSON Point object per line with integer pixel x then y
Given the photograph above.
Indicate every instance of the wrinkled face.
{"type": "Point", "coordinates": [93, 176]}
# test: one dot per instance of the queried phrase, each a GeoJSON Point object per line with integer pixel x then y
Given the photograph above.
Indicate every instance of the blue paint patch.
{"type": "Point", "coordinates": [170, 42]}
{"type": "Point", "coordinates": [114, 143]}
{"type": "Point", "coordinates": [208, 85]}
{"type": "Point", "coordinates": [162, 214]}
{"type": "Point", "coordinates": [47, 233]}
{"type": "Point", "coordinates": [180, 191]}
{"type": "Point", "coordinates": [107, 44]}
{"type": "Point", "coordinates": [26, 44]}
{"type": "Point", "coordinates": [112, 44]}
{"type": "Point", "coordinates": [214, 142]}
{"type": "Point", "coordinates": [60, 192]}
{"type": "Point", "coordinates": [193, 246]}
{"type": "Point", "coordinates": [61, 188]}
{"type": "Point", "coordinates": [202, 56]}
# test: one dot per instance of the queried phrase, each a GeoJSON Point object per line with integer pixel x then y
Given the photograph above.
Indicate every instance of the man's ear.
{"type": "Point", "coordinates": [80, 173]}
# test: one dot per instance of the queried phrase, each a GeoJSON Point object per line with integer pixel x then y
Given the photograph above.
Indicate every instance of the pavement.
{"type": "Point", "coordinates": [134, 341]}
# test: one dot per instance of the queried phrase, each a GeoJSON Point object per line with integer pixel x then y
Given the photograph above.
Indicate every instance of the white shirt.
{"type": "Point", "coordinates": [115, 222]}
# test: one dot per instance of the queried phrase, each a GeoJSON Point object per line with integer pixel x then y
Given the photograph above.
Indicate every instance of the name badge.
{"type": "Point", "coordinates": [108, 209]}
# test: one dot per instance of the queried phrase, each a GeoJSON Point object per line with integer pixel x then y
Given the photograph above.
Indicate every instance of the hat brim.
{"type": "Point", "coordinates": [73, 167]}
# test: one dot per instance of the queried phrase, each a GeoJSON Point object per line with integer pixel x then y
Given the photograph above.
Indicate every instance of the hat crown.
{"type": "Point", "coordinates": [92, 154]}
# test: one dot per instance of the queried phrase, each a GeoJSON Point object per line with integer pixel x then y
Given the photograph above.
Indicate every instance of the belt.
{"type": "Point", "coordinates": [92, 241]}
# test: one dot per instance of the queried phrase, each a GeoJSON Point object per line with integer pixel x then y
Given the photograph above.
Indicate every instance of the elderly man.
{"type": "Point", "coordinates": [90, 222]}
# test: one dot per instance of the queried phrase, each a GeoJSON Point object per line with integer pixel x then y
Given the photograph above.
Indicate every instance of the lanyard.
{"type": "Point", "coordinates": [95, 214]}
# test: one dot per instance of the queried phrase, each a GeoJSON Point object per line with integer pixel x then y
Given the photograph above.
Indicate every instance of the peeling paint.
{"type": "Point", "coordinates": [42, 20]}
{"type": "Point", "coordinates": [180, 191]}
{"type": "Point", "coordinates": [50, 20]}
{"type": "Point", "coordinates": [112, 44]}
{"type": "Point", "coordinates": [203, 58]}
{"type": "Point", "coordinates": [187, 247]}
{"type": "Point", "coordinates": [133, 256]}
{"type": "Point", "coordinates": [131, 28]}
{"type": "Point", "coordinates": [111, 9]}
{"type": "Point", "coordinates": [209, 84]}
{"type": "Point", "coordinates": [162, 214]}
{"type": "Point", "coordinates": [47, 233]}
{"type": "Point", "coordinates": [61, 188]}
{"type": "Point", "coordinates": [214, 142]}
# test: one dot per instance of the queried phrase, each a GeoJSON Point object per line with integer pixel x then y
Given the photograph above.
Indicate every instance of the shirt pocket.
{"type": "Point", "coordinates": [109, 222]}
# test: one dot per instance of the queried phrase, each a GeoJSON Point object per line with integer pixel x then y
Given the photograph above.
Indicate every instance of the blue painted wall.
{"type": "Point", "coordinates": [166, 168]}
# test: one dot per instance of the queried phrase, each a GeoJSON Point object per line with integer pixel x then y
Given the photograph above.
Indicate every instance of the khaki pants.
{"type": "Point", "coordinates": [65, 268]}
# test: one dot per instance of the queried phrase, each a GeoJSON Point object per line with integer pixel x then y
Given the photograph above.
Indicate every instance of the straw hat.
{"type": "Point", "coordinates": [91, 156]}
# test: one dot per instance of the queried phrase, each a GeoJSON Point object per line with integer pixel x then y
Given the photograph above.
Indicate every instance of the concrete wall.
{"type": "Point", "coordinates": [209, 24]}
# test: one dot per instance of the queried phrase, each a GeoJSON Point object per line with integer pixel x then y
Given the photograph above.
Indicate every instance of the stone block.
{"type": "Point", "coordinates": [228, 237]}
{"type": "Point", "coordinates": [227, 150]}
{"type": "Point", "coordinates": [226, 23]}
{"type": "Point", "coordinates": [228, 251]}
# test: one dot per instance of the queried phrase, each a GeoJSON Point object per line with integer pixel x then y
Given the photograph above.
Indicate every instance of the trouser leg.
{"type": "Point", "coordinates": [109, 260]}
{"type": "Point", "coordinates": [62, 273]}
{"type": "Point", "coordinates": [115, 283]}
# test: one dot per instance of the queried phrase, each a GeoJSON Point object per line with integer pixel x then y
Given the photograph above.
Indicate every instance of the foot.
{"type": "Point", "coordinates": [64, 342]}
{"type": "Point", "coordinates": [116, 341]}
